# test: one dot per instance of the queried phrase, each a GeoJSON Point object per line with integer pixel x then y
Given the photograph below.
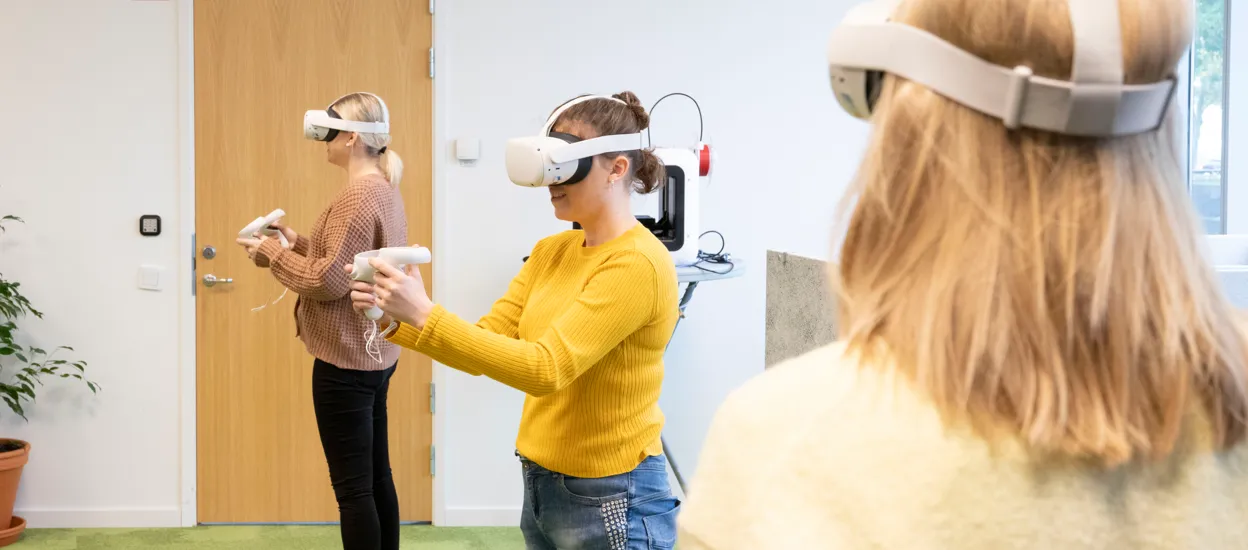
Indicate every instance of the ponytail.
{"type": "Point", "coordinates": [649, 171]}
{"type": "Point", "coordinates": [392, 166]}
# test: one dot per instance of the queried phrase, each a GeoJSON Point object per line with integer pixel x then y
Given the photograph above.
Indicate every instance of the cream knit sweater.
{"type": "Point", "coordinates": [821, 452]}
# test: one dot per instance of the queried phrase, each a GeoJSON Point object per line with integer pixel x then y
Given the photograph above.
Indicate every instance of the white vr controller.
{"type": "Point", "coordinates": [261, 227]}
{"type": "Point", "coordinates": [398, 257]}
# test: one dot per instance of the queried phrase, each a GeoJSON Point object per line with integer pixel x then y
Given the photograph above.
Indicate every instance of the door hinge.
{"type": "Point", "coordinates": [433, 461]}
{"type": "Point", "coordinates": [433, 398]}
{"type": "Point", "coordinates": [432, 63]}
{"type": "Point", "coordinates": [432, 7]}
{"type": "Point", "coordinates": [194, 265]}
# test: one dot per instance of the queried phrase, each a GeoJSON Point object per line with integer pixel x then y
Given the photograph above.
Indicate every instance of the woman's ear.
{"type": "Point", "coordinates": [619, 167]}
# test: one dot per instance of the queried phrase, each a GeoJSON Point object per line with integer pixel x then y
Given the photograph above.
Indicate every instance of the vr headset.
{"type": "Point", "coordinates": [1094, 103]}
{"type": "Point", "coordinates": [556, 158]}
{"type": "Point", "coordinates": [325, 125]}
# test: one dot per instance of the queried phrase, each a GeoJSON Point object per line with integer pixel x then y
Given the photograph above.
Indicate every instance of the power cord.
{"type": "Point", "coordinates": [372, 342]}
{"type": "Point", "coordinates": [274, 302]}
{"type": "Point", "coordinates": [717, 258]}
{"type": "Point", "coordinates": [701, 122]}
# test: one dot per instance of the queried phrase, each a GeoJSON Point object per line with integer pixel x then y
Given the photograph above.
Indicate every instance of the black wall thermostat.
{"type": "Point", "coordinates": [149, 225]}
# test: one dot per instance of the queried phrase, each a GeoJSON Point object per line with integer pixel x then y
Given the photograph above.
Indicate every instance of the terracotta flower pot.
{"type": "Point", "coordinates": [11, 464]}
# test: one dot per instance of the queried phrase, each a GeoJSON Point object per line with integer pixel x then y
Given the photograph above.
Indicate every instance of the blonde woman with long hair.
{"type": "Point", "coordinates": [1033, 351]}
{"type": "Point", "coordinates": [350, 378]}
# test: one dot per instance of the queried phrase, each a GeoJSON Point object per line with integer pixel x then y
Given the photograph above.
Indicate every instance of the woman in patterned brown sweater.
{"type": "Point", "coordinates": [348, 385]}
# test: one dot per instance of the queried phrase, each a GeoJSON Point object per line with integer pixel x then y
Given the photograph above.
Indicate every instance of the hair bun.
{"type": "Point", "coordinates": [639, 110]}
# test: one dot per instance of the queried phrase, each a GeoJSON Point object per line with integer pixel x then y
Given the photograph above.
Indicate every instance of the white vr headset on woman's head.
{"type": "Point", "coordinates": [557, 158]}
{"type": "Point", "coordinates": [324, 125]}
{"type": "Point", "coordinates": [1094, 103]}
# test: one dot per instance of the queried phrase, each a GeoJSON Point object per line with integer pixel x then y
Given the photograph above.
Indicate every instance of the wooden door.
{"type": "Point", "coordinates": [259, 64]}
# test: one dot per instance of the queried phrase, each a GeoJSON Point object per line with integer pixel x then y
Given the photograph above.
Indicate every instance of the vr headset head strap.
{"type": "Point", "coordinates": [1093, 103]}
{"type": "Point", "coordinates": [336, 122]}
{"type": "Point", "coordinates": [554, 117]}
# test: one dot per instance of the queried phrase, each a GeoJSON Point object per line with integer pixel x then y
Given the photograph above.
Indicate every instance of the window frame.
{"type": "Point", "coordinates": [1229, 250]}
{"type": "Point", "coordinates": [1234, 125]}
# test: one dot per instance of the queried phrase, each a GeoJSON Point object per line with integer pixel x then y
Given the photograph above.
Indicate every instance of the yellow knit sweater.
{"type": "Point", "coordinates": [582, 331]}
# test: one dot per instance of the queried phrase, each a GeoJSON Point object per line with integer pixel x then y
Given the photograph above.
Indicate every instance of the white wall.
{"type": "Point", "coordinates": [786, 153]}
{"type": "Point", "coordinates": [92, 141]}
{"type": "Point", "coordinates": [88, 95]}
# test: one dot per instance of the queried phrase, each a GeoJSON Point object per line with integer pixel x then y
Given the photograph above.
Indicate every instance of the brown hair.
{"type": "Point", "coordinates": [610, 118]}
{"type": "Point", "coordinates": [1040, 287]}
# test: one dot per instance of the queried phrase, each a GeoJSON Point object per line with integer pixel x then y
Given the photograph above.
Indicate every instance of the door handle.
{"type": "Point", "coordinates": [211, 280]}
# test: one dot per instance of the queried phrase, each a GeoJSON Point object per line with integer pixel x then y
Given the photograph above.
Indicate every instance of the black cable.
{"type": "Point", "coordinates": [714, 258]}
{"type": "Point", "coordinates": [701, 124]}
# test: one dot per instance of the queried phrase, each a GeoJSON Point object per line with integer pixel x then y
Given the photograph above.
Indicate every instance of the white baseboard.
{"type": "Point", "coordinates": [59, 518]}
{"type": "Point", "coordinates": [481, 517]}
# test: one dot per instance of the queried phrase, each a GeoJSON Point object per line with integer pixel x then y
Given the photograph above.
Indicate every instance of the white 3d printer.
{"type": "Point", "coordinates": [675, 218]}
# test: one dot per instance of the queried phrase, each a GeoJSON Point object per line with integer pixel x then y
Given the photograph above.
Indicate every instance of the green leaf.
{"type": "Point", "coordinates": [21, 357]}
{"type": "Point", "coordinates": [95, 388]}
{"type": "Point", "coordinates": [38, 351]}
{"type": "Point", "coordinates": [7, 351]}
{"type": "Point", "coordinates": [16, 407]}
{"type": "Point", "coordinates": [10, 391]}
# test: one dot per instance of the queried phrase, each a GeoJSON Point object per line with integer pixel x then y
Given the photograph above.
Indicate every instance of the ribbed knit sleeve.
{"type": "Point", "coordinates": [617, 299]}
{"type": "Point", "coordinates": [504, 315]}
{"type": "Point", "coordinates": [351, 228]}
{"type": "Point", "coordinates": [301, 245]}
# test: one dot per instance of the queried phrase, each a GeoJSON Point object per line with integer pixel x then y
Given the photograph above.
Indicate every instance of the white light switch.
{"type": "Point", "coordinates": [467, 149]}
{"type": "Point", "coordinates": [149, 277]}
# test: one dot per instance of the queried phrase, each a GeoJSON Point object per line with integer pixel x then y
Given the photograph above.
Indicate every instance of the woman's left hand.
{"type": "Point", "coordinates": [401, 293]}
{"type": "Point", "coordinates": [251, 245]}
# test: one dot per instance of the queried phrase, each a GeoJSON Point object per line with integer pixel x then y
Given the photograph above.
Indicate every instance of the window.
{"type": "Point", "coordinates": [1207, 116]}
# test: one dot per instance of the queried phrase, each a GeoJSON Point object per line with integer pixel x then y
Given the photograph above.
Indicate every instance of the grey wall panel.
{"type": "Point", "coordinates": [801, 311]}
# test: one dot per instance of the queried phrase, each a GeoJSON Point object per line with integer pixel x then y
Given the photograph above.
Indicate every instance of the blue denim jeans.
{"type": "Point", "coordinates": [630, 511]}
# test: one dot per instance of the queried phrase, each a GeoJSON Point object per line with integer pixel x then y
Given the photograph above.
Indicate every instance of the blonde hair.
{"type": "Point", "coordinates": [1048, 286]}
{"type": "Point", "coordinates": [365, 107]}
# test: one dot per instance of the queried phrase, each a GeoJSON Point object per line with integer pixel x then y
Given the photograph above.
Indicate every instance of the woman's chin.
{"type": "Point", "coordinates": [563, 214]}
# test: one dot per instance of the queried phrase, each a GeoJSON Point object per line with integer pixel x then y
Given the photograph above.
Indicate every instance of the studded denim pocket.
{"type": "Point", "coordinates": [615, 519]}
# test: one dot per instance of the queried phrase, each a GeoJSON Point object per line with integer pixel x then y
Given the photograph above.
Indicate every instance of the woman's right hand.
{"type": "Point", "coordinates": [287, 232]}
{"type": "Point", "coordinates": [364, 298]}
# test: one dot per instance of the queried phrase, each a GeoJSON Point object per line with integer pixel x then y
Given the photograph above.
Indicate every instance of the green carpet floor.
{"type": "Point", "coordinates": [416, 537]}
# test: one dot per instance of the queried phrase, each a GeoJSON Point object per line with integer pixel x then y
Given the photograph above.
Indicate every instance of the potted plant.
{"type": "Point", "coordinates": [23, 370]}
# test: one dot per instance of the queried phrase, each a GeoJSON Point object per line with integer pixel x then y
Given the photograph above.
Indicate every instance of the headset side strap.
{"type": "Point", "coordinates": [596, 146]}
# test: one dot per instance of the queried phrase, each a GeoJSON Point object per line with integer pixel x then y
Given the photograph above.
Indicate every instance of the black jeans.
{"type": "Point", "coordinates": [351, 417]}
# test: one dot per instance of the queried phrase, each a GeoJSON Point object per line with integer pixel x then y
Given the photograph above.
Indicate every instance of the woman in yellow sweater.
{"type": "Point", "coordinates": [1034, 354]}
{"type": "Point", "coordinates": [581, 330]}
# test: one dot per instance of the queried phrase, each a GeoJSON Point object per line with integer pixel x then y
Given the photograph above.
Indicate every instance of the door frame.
{"type": "Point", "coordinates": [188, 472]}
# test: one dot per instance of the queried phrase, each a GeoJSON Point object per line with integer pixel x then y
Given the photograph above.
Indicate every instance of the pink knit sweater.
{"type": "Point", "coordinates": [367, 215]}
